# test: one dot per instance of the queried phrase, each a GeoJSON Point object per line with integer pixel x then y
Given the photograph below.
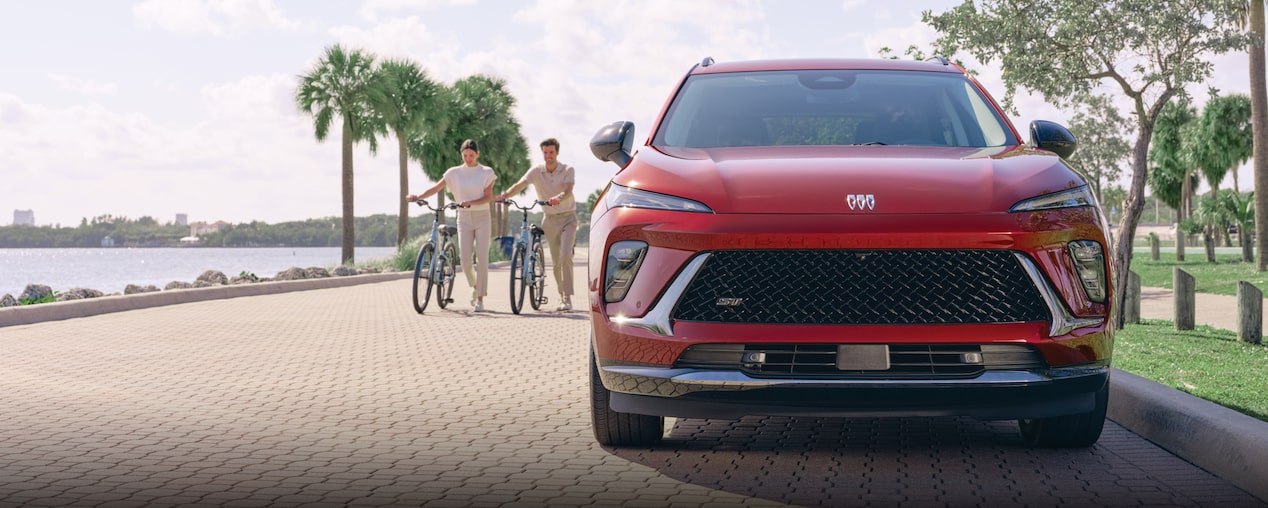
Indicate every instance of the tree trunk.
{"type": "Point", "coordinates": [349, 227]}
{"type": "Point", "coordinates": [1259, 127]}
{"type": "Point", "coordinates": [1135, 205]}
{"type": "Point", "coordinates": [402, 214]}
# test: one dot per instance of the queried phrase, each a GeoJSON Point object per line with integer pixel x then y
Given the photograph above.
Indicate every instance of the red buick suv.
{"type": "Point", "coordinates": [844, 237]}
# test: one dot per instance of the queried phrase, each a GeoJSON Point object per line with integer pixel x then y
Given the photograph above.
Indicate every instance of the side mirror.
{"type": "Point", "coordinates": [1052, 137]}
{"type": "Point", "coordinates": [613, 143]}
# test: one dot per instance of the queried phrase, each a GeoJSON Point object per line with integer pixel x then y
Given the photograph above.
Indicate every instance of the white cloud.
{"type": "Point", "coordinates": [83, 86]}
{"type": "Point", "coordinates": [213, 17]}
{"type": "Point", "coordinates": [373, 10]}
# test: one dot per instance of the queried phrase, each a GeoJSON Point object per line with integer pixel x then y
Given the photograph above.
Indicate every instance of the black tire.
{"type": "Point", "coordinates": [1072, 431]}
{"type": "Point", "coordinates": [448, 275]}
{"type": "Point", "coordinates": [537, 281]}
{"type": "Point", "coordinates": [422, 278]}
{"type": "Point", "coordinates": [518, 285]}
{"type": "Point", "coordinates": [619, 429]}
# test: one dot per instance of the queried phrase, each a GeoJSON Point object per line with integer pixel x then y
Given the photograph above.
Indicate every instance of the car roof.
{"type": "Point", "coordinates": [824, 64]}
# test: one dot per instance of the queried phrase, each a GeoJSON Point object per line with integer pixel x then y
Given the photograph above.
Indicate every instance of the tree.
{"type": "Point", "coordinates": [1254, 17]}
{"type": "Point", "coordinates": [1171, 175]}
{"type": "Point", "coordinates": [339, 86]}
{"type": "Point", "coordinates": [406, 98]}
{"type": "Point", "coordinates": [1102, 149]}
{"type": "Point", "coordinates": [1150, 50]}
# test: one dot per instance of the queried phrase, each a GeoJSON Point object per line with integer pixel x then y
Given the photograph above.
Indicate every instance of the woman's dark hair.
{"type": "Point", "coordinates": [469, 144]}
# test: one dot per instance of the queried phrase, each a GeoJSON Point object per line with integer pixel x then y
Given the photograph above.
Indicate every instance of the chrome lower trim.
{"type": "Point", "coordinates": [657, 318]}
{"type": "Point", "coordinates": [1063, 321]}
{"type": "Point", "coordinates": [672, 382]}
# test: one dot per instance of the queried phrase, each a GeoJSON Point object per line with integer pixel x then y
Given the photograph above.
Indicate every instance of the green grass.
{"type": "Point", "coordinates": [1217, 278]}
{"type": "Point", "coordinates": [1207, 362]}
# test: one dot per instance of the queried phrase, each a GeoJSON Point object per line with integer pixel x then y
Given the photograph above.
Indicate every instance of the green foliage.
{"type": "Point", "coordinates": [32, 301]}
{"type": "Point", "coordinates": [249, 276]}
{"type": "Point", "coordinates": [1169, 158]}
{"type": "Point", "coordinates": [1206, 362]}
{"type": "Point", "coordinates": [408, 101]}
{"type": "Point", "coordinates": [1103, 151]}
{"type": "Point", "coordinates": [1225, 136]}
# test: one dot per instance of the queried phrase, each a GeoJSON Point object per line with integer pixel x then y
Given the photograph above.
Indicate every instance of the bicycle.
{"type": "Point", "coordinates": [431, 270]}
{"type": "Point", "coordinates": [528, 263]}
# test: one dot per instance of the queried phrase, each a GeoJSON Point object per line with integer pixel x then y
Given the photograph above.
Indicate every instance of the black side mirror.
{"type": "Point", "coordinates": [613, 143]}
{"type": "Point", "coordinates": [1052, 137]}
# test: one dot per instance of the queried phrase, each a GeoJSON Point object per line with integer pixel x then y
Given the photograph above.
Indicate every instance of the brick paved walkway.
{"type": "Point", "coordinates": [347, 397]}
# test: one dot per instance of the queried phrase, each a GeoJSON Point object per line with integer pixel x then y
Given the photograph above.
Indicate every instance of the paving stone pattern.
{"type": "Point", "coordinates": [346, 397]}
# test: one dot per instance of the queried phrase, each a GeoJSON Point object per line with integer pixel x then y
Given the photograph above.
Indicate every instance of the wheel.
{"type": "Point", "coordinates": [422, 278]}
{"type": "Point", "coordinates": [448, 268]}
{"type": "Point", "coordinates": [518, 284]}
{"type": "Point", "coordinates": [537, 278]}
{"type": "Point", "coordinates": [612, 428]}
{"type": "Point", "coordinates": [1071, 431]}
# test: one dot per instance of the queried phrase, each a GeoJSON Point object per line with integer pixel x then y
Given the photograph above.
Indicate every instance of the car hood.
{"type": "Point", "coordinates": [815, 180]}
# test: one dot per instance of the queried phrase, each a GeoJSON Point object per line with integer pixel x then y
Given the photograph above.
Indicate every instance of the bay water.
{"type": "Point", "coordinates": [110, 270]}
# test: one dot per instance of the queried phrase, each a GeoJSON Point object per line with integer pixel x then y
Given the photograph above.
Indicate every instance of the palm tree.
{"type": "Point", "coordinates": [1254, 10]}
{"type": "Point", "coordinates": [406, 99]}
{"type": "Point", "coordinates": [339, 85]}
{"type": "Point", "coordinates": [1171, 172]}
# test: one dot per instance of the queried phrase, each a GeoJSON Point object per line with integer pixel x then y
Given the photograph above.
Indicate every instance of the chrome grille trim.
{"type": "Point", "coordinates": [1063, 321]}
{"type": "Point", "coordinates": [820, 360]}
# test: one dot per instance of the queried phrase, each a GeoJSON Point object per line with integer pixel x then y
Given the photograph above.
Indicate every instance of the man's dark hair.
{"type": "Point", "coordinates": [551, 142]}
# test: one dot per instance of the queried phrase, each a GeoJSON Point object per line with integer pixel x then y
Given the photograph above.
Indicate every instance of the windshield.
{"type": "Point", "coordinates": [831, 107]}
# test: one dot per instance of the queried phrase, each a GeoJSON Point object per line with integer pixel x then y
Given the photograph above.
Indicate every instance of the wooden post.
{"type": "Point", "coordinates": [1250, 313]}
{"type": "Point", "coordinates": [1153, 246]}
{"type": "Point", "coordinates": [1183, 288]}
{"type": "Point", "coordinates": [1131, 299]}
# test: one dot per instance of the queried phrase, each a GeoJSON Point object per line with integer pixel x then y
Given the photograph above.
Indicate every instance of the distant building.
{"type": "Point", "coordinates": [202, 228]}
{"type": "Point", "coordinates": [107, 242]}
{"type": "Point", "coordinates": [182, 219]}
{"type": "Point", "coordinates": [24, 217]}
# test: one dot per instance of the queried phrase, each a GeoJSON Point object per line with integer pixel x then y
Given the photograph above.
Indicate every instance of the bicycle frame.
{"type": "Point", "coordinates": [440, 245]}
{"type": "Point", "coordinates": [531, 273]}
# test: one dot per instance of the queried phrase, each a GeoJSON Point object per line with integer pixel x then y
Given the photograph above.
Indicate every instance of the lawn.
{"type": "Point", "coordinates": [1207, 362]}
{"type": "Point", "coordinates": [1217, 278]}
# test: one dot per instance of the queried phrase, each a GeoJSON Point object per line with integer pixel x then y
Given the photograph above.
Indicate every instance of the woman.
{"type": "Point", "coordinates": [471, 185]}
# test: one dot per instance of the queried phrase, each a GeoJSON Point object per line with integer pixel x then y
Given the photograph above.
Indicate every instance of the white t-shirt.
{"type": "Point", "coordinates": [550, 183]}
{"type": "Point", "coordinates": [467, 183]}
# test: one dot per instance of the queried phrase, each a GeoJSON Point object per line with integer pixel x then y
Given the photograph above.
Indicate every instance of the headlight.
{"type": "Point", "coordinates": [1089, 261]}
{"type": "Point", "coordinates": [1071, 198]}
{"type": "Point", "coordinates": [624, 259]}
{"type": "Point", "coordinates": [620, 195]}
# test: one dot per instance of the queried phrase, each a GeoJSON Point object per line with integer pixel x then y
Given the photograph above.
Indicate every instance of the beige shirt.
{"type": "Point", "coordinates": [550, 184]}
{"type": "Point", "coordinates": [468, 183]}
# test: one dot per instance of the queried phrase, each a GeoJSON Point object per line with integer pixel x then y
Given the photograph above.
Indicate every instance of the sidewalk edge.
{"type": "Point", "coordinates": [1224, 442]}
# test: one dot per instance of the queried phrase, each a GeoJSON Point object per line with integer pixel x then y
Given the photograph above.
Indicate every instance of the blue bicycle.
{"type": "Point", "coordinates": [432, 270]}
{"type": "Point", "coordinates": [528, 263]}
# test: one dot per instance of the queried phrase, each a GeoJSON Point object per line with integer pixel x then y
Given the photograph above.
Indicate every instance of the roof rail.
{"type": "Point", "coordinates": [708, 60]}
{"type": "Point", "coordinates": [938, 58]}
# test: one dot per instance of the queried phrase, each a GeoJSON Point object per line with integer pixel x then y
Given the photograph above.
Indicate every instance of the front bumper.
{"type": "Point", "coordinates": [699, 393]}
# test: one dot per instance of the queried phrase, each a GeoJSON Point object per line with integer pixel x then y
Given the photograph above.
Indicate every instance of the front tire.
{"type": "Point", "coordinates": [537, 282]}
{"type": "Point", "coordinates": [422, 277]}
{"type": "Point", "coordinates": [448, 271]}
{"type": "Point", "coordinates": [1071, 431]}
{"type": "Point", "coordinates": [518, 285]}
{"type": "Point", "coordinates": [612, 428]}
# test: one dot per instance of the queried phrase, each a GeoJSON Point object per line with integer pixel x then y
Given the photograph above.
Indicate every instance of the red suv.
{"type": "Point", "coordinates": [846, 238]}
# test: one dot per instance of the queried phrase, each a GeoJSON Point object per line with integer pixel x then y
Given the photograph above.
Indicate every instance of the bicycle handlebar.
{"type": "Point", "coordinates": [529, 207]}
{"type": "Point", "coordinates": [448, 206]}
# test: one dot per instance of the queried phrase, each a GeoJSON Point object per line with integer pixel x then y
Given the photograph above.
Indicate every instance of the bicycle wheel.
{"type": "Point", "coordinates": [537, 277]}
{"type": "Point", "coordinates": [518, 285]}
{"type": "Point", "coordinates": [422, 277]}
{"type": "Point", "coordinates": [448, 269]}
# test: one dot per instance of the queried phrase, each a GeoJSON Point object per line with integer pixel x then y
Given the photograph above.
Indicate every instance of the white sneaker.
{"type": "Point", "coordinates": [565, 306]}
{"type": "Point", "coordinates": [479, 306]}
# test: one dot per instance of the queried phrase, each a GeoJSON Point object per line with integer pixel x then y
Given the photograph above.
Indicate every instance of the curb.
{"type": "Point", "coordinates": [56, 311]}
{"type": "Point", "coordinates": [1226, 443]}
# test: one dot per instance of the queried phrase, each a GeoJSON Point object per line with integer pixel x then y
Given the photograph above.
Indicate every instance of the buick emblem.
{"type": "Point", "coordinates": [861, 201]}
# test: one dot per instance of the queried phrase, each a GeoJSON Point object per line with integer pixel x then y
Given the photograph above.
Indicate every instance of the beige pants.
{"type": "Point", "coordinates": [475, 229]}
{"type": "Point", "coordinates": [561, 236]}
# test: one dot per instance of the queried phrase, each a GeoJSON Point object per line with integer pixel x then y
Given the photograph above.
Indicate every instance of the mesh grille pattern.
{"type": "Point", "coordinates": [862, 287]}
{"type": "Point", "coordinates": [820, 360]}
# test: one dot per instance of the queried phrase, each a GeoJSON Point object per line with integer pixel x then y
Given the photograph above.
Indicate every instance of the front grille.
{"type": "Point", "coordinates": [905, 360]}
{"type": "Point", "coordinates": [862, 287]}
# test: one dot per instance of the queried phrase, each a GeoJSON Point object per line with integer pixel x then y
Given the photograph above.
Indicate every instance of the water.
{"type": "Point", "coordinates": [110, 270]}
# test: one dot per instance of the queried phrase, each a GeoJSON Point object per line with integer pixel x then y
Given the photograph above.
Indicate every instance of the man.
{"type": "Point", "coordinates": [553, 182]}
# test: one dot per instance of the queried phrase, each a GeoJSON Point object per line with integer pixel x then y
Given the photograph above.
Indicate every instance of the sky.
{"type": "Point", "coordinates": [159, 107]}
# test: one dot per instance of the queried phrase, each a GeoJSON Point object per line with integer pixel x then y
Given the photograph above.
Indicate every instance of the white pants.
{"type": "Point", "coordinates": [561, 237]}
{"type": "Point", "coordinates": [475, 228]}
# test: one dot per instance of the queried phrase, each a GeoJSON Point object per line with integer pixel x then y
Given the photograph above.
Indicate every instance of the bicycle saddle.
{"type": "Point", "coordinates": [448, 229]}
{"type": "Point", "coordinates": [535, 230]}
